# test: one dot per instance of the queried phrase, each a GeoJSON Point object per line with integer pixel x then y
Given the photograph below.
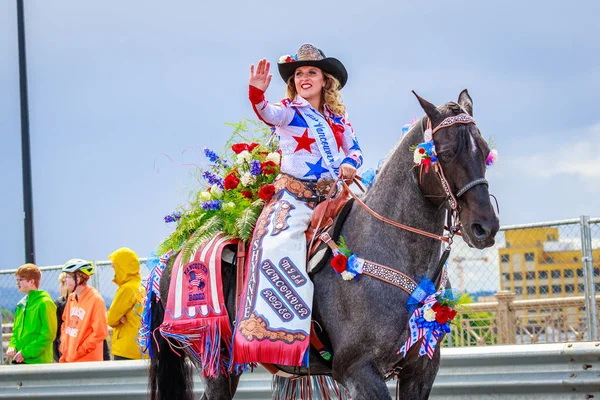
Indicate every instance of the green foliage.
{"type": "Point", "coordinates": [236, 208]}
{"type": "Point", "coordinates": [245, 224]}
{"type": "Point", "coordinates": [479, 324]}
{"type": "Point", "coordinates": [343, 247]}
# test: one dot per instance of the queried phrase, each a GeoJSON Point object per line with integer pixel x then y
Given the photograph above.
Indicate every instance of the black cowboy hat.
{"type": "Point", "coordinates": [310, 55]}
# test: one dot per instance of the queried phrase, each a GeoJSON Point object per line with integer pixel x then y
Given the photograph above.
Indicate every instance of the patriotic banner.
{"type": "Point", "coordinates": [195, 315]}
{"type": "Point", "coordinates": [275, 309]}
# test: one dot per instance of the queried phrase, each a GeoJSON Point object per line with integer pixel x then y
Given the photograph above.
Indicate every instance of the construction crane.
{"type": "Point", "coordinates": [460, 269]}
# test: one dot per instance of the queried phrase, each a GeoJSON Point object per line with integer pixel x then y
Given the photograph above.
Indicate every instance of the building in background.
{"type": "Point", "coordinates": [536, 264]}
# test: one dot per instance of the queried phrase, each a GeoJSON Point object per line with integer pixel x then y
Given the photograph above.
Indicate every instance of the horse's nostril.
{"type": "Point", "coordinates": [479, 231]}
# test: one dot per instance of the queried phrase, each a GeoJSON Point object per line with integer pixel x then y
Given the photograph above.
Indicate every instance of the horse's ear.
{"type": "Point", "coordinates": [464, 100]}
{"type": "Point", "coordinates": [432, 112]}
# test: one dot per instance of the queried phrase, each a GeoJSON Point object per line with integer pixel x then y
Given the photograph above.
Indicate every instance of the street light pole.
{"type": "Point", "coordinates": [25, 147]}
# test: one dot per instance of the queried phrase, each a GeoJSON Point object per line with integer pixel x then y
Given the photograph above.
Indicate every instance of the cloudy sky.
{"type": "Point", "coordinates": [113, 85]}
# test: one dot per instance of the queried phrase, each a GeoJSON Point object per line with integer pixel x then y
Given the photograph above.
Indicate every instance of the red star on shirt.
{"type": "Point", "coordinates": [304, 142]}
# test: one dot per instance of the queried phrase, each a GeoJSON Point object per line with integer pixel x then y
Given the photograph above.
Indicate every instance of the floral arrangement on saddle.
{"type": "Point", "coordinates": [347, 264]}
{"type": "Point", "coordinates": [431, 311]}
{"type": "Point", "coordinates": [234, 187]}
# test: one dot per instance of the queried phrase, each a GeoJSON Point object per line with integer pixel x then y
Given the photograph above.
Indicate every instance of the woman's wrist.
{"type": "Point", "coordinates": [255, 95]}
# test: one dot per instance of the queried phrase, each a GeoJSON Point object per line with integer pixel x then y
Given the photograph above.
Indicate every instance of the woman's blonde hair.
{"type": "Point", "coordinates": [330, 95]}
{"type": "Point", "coordinates": [62, 285]}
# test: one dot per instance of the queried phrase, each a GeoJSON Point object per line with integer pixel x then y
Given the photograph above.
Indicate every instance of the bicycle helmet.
{"type": "Point", "coordinates": [76, 264]}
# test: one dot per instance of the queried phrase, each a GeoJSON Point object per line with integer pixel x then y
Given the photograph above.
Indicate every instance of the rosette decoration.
{"type": "Point", "coordinates": [431, 314]}
{"type": "Point", "coordinates": [345, 263]}
{"type": "Point", "coordinates": [234, 187]}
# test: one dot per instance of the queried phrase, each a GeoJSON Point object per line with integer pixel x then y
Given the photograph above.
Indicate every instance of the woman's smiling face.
{"type": "Point", "coordinates": [309, 82]}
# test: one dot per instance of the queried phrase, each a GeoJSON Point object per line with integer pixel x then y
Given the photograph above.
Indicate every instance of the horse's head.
{"type": "Point", "coordinates": [461, 161]}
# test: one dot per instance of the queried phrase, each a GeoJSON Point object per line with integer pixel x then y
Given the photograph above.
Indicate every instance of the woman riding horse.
{"type": "Point", "coordinates": [317, 144]}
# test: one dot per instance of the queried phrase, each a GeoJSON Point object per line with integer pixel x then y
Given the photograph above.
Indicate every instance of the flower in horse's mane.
{"type": "Point", "coordinates": [491, 158]}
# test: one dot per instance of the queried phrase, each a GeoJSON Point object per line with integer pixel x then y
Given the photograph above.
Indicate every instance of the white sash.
{"type": "Point", "coordinates": [325, 139]}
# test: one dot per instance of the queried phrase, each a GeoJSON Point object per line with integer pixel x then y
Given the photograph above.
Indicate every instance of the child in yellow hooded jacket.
{"type": "Point", "coordinates": [124, 315]}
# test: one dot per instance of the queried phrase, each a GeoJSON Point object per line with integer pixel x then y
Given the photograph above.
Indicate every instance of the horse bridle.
{"type": "Point", "coordinates": [454, 216]}
{"type": "Point", "coordinates": [451, 198]}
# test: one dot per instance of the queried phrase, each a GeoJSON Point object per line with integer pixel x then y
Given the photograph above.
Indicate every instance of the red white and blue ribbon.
{"type": "Point", "coordinates": [422, 328]}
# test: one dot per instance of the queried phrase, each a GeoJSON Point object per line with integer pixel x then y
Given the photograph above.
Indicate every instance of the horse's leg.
{"type": "Point", "coordinates": [416, 383]}
{"type": "Point", "coordinates": [220, 388]}
{"type": "Point", "coordinates": [362, 380]}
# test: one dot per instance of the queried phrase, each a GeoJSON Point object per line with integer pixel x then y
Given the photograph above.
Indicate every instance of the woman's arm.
{"type": "Point", "coordinates": [271, 114]}
{"type": "Point", "coordinates": [354, 158]}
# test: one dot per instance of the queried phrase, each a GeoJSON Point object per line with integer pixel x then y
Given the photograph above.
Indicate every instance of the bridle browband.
{"type": "Point", "coordinates": [463, 119]}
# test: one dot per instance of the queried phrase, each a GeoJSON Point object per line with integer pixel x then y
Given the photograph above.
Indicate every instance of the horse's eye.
{"type": "Point", "coordinates": [446, 156]}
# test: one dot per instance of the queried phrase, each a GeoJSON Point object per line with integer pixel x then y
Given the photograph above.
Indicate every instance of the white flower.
{"type": "Point", "coordinates": [429, 315]}
{"type": "Point", "coordinates": [247, 179]}
{"type": "Point", "coordinates": [347, 275]}
{"type": "Point", "coordinates": [244, 156]}
{"type": "Point", "coordinates": [275, 157]}
{"type": "Point", "coordinates": [205, 196]}
{"type": "Point", "coordinates": [282, 59]}
{"type": "Point", "coordinates": [418, 156]}
{"type": "Point", "coordinates": [216, 191]}
{"type": "Point", "coordinates": [228, 206]}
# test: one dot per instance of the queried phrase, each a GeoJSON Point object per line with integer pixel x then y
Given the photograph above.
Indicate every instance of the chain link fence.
{"type": "Point", "coordinates": [538, 283]}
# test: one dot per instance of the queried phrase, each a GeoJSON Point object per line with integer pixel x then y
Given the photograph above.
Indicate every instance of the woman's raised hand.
{"type": "Point", "coordinates": [261, 78]}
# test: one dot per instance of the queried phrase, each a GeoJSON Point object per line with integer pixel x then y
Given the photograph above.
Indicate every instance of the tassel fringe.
{"type": "Point", "coordinates": [316, 387]}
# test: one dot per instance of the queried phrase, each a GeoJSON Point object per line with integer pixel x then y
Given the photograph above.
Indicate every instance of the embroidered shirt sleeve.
{"type": "Point", "coordinates": [350, 145]}
{"type": "Point", "coordinates": [271, 114]}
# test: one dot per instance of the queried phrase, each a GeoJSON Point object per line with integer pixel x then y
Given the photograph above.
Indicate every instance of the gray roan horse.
{"type": "Point", "coordinates": [366, 321]}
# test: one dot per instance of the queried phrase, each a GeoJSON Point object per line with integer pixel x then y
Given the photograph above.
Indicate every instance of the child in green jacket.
{"type": "Point", "coordinates": [34, 327]}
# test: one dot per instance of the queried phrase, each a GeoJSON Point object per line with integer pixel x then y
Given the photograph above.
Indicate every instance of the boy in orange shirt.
{"type": "Point", "coordinates": [84, 325]}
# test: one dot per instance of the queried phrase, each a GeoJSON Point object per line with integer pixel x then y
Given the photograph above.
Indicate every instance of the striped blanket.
{"type": "Point", "coordinates": [196, 319]}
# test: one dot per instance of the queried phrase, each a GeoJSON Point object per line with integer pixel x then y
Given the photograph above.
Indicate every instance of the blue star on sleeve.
{"type": "Point", "coordinates": [337, 119]}
{"type": "Point", "coordinates": [316, 169]}
{"type": "Point", "coordinates": [355, 145]}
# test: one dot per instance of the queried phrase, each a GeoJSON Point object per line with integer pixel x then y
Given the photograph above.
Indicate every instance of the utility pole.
{"type": "Point", "coordinates": [25, 147]}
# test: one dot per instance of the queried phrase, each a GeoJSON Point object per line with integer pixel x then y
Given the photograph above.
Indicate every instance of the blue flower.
{"type": "Point", "coordinates": [353, 265]}
{"type": "Point", "coordinates": [255, 167]}
{"type": "Point", "coordinates": [211, 155]}
{"type": "Point", "coordinates": [211, 205]}
{"type": "Point", "coordinates": [176, 216]}
{"type": "Point", "coordinates": [212, 179]}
